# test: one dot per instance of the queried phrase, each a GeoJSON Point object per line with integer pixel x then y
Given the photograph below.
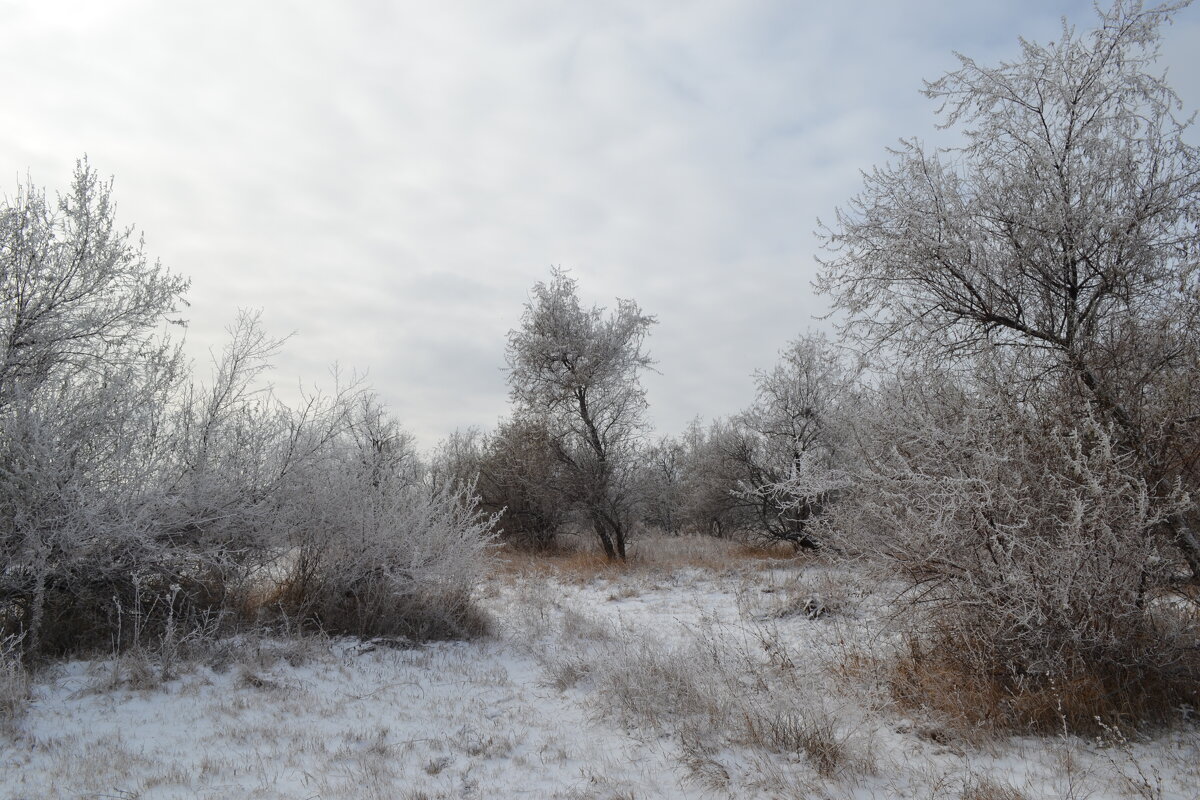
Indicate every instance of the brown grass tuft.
{"type": "Point", "coordinates": [983, 788]}
{"type": "Point", "coordinates": [577, 566]}
{"type": "Point", "coordinates": [950, 680]}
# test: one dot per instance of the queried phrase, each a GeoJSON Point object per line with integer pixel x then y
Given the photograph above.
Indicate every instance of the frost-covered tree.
{"type": "Point", "coordinates": [788, 450]}
{"type": "Point", "coordinates": [713, 476]}
{"type": "Point", "coordinates": [1062, 231]}
{"type": "Point", "coordinates": [85, 377]}
{"type": "Point", "coordinates": [1031, 469]}
{"type": "Point", "coordinates": [575, 370]}
{"type": "Point", "coordinates": [77, 293]}
{"type": "Point", "coordinates": [661, 482]}
{"type": "Point", "coordinates": [514, 471]}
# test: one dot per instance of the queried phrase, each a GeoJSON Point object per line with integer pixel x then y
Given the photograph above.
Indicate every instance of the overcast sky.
{"type": "Point", "coordinates": [388, 179]}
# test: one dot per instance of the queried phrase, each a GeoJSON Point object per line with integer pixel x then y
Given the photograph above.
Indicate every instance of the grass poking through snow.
{"type": "Point", "coordinates": [694, 671]}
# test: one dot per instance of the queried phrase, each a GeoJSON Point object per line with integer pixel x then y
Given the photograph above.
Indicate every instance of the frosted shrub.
{"type": "Point", "coordinates": [371, 551]}
{"type": "Point", "coordinates": [319, 512]}
{"type": "Point", "coordinates": [788, 459]}
{"type": "Point", "coordinates": [1037, 566]}
{"type": "Point", "coordinates": [88, 540]}
{"type": "Point", "coordinates": [401, 564]}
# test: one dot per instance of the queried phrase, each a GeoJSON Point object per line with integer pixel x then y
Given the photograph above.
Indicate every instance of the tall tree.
{"type": "Point", "coordinates": [85, 380]}
{"type": "Point", "coordinates": [576, 370]}
{"type": "Point", "coordinates": [1063, 231]}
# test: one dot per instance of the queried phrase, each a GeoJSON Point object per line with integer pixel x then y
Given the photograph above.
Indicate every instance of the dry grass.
{"type": "Point", "coordinates": [577, 561]}
{"type": "Point", "coordinates": [568, 566]}
{"type": "Point", "coordinates": [714, 692]}
{"type": "Point", "coordinates": [953, 681]}
{"type": "Point", "coordinates": [725, 702]}
{"type": "Point", "coordinates": [251, 656]}
{"type": "Point", "coordinates": [985, 788]}
{"type": "Point", "coordinates": [707, 552]}
{"type": "Point", "coordinates": [829, 751]}
{"type": "Point", "coordinates": [376, 610]}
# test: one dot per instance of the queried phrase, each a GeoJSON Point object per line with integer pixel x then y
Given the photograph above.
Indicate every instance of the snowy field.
{"type": "Point", "coordinates": [685, 675]}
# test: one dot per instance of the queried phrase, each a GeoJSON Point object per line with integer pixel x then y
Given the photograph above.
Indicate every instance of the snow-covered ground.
{"type": "Point", "coordinates": [654, 682]}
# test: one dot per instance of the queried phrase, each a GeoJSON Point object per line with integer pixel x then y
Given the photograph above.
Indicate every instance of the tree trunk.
{"type": "Point", "coordinates": [606, 541]}
{"type": "Point", "coordinates": [619, 541]}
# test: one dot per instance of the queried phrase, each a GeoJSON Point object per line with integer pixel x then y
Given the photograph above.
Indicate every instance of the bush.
{"type": "Point", "coordinates": [1040, 586]}
{"type": "Point", "coordinates": [137, 504]}
{"type": "Point", "coordinates": [389, 564]}
{"type": "Point", "coordinates": [366, 548]}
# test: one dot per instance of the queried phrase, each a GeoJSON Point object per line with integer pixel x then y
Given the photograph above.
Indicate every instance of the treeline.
{"type": "Point", "coordinates": [545, 475]}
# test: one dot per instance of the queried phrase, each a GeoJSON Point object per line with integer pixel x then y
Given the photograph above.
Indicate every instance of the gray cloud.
{"type": "Point", "coordinates": [388, 179]}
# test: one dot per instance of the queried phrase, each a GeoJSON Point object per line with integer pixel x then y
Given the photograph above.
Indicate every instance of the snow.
{"type": "Point", "coordinates": [535, 710]}
{"type": "Point", "coordinates": [449, 720]}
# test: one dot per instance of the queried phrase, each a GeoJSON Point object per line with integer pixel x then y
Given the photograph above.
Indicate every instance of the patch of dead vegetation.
{"type": "Point", "coordinates": [577, 562]}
